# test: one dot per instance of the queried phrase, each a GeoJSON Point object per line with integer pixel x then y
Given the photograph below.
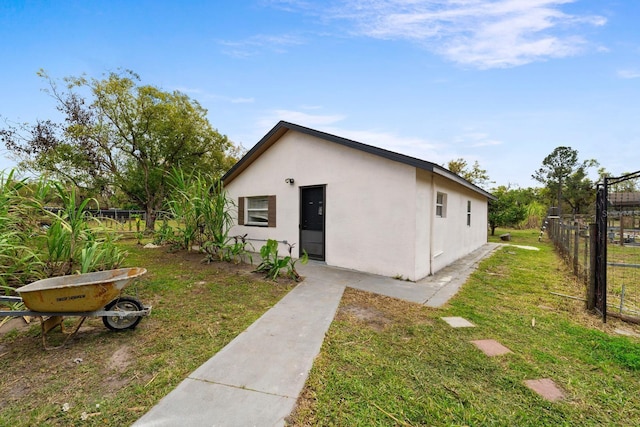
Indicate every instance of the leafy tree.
{"type": "Point", "coordinates": [562, 171]}
{"type": "Point", "coordinates": [579, 192]}
{"type": "Point", "coordinates": [474, 174]}
{"type": "Point", "coordinates": [507, 210]}
{"type": "Point", "coordinates": [121, 136]}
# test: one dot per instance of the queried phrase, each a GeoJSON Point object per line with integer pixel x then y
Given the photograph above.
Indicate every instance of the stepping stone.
{"type": "Point", "coordinates": [491, 347]}
{"type": "Point", "coordinates": [546, 388]}
{"type": "Point", "coordinates": [458, 322]}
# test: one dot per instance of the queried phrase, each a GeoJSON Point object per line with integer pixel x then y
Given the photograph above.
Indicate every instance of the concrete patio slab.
{"type": "Point", "coordinates": [546, 388]}
{"type": "Point", "coordinates": [458, 322]}
{"type": "Point", "coordinates": [491, 347]}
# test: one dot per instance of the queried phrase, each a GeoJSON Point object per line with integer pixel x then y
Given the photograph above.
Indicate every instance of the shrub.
{"type": "Point", "coordinates": [272, 264]}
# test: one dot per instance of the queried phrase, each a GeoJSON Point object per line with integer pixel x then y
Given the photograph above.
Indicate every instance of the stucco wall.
{"type": "Point", "coordinates": [425, 209]}
{"type": "Point", "coordinates": [370, 202]}
{"type": "Point", "coordinates": [452, 237]}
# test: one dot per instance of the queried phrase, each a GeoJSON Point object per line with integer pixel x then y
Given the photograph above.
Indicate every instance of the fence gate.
{"type": "Point", "coordinates": [617, 246]}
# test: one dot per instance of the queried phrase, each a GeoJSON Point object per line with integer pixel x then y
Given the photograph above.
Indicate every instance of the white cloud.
{"type": "Point", "coordinates": [201, 94]}
{"type": "Point", "coordinates": [299, 118]}
{"type": "Point", "coordinates": [411, 146]}
{"type": "Point", "coordinates": [628, 74]}
{"type": "Point", "coordinates": [478, 33]}
{"type": "Point", "coordinates": [420, 148]}
{"type": "Point", "coordinates": [254, 45]}
{"type": "Point", "coordinates": [188, 90]}
{"type": "Point", "coordinates": [476, 140]}
{"type": "Point", "coordinates": [289, 5]}
{"type": "Point", "coordinates": [311, 107]}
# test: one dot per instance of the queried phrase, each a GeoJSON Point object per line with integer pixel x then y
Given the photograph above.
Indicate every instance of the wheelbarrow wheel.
{"type": "Point", "coordinates": [116, 323]}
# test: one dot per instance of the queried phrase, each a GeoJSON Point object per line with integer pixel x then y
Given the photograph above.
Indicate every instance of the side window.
{"type": "Point", "coordinates": [469, 213]}
{"type": "Point", "coordinates": [441, 205]}
{"type": "Point", "coordinates": [258, 211]}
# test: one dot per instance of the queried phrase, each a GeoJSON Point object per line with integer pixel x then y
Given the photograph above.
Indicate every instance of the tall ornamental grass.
{"type": "Point", "coordinates": [202, 210]}
{"type": "Point", "coordinates": [19, 261]}
{"type": "Point", "coordinates": [37, 243]}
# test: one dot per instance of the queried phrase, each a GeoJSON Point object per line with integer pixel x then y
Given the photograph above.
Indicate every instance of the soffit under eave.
{"type": "Point", "coordinates": [455, 178]}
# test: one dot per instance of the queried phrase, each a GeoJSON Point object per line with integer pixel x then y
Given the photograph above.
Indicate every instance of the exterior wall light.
{"type": "Point", "coordinates": [289, 181]}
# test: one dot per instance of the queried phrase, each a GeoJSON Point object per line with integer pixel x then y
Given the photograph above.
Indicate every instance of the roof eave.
{"type": "Point", "coordinates": [283, 127]}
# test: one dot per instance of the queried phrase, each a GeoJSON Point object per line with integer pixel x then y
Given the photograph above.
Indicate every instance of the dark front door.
{"type": "Point", "coordinates": [312, 213]}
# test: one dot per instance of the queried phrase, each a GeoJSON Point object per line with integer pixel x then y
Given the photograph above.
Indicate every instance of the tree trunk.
{"type": "Point", "coordinates": [493, 229]}
{"type": "Point", "coordinates": [560, 197]}
{"type": "Point", "coordinates": [150, 222]}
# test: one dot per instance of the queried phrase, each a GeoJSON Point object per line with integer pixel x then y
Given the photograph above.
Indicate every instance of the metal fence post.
{"type": "Point", "coordinates": [591, 290]}
{"type": "Point", "coordinates": [585, 261]}
{"type": "Point", "coordinates": [576, 241]}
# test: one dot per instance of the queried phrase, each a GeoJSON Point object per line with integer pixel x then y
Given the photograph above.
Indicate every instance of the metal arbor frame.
{"type": "Point", "coordinates": [602, 205]}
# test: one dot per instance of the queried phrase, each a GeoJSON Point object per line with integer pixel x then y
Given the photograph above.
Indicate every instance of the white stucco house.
{"type": "Point", "coordinates": [353, 205]}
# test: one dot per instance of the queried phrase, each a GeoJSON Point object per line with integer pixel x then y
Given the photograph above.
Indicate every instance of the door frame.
{"type": "Point", "coordinates": [324, 220]}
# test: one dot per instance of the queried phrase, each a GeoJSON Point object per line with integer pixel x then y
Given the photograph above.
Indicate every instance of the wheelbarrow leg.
{"type": "Point", "coordinates": [50, 322]}
{"type": "Point", "coordinates": [53, 321]}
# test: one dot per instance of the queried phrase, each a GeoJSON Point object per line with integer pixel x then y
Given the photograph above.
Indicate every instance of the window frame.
{"type": "Point", "coordinates": [249, 210]}
{"type": "Point", "coordinates": [244, 211]}
{"type": "Point", "coordinates": [441, 204]}
{"type": "Point", "coordinates": [468, 213]}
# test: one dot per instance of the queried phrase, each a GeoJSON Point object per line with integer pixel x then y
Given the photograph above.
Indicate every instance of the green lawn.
{"type": "Point", "coordinates": [386, 362]}
{"type": "Point", "coordinates": [114, 378]}
{"type": "Point", "coordinates": [619, 278]}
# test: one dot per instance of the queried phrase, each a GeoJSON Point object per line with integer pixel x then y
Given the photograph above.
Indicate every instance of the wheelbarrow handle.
{"type": "Point", "coordinates": [10, 299]}
{"type": "Point", "coordinates": [100, 313]}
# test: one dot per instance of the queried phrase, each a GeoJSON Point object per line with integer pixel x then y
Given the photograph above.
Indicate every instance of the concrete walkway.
{"type": "Point", "coordinates": [255, 380]}
{"type": "Point", "coordinates": [432, 291]}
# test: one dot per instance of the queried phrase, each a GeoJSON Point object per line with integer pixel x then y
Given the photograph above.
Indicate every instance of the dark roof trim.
{"type": "Point", "coordinates": [283, 127]}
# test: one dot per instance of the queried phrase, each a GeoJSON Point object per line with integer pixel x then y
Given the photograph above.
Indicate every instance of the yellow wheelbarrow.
{"type": "Point", "coordinates": [81, 295]}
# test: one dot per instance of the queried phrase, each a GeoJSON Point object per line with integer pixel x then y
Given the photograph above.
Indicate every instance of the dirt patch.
{"type": "Point", "coordinates": [15, 323]}
{"type": "Point", "coordinates": [199, 261]}
{"type": "Point", "coordinates": [371, 316]}
{"type": "Point", "coordinates": [120, 359]}
{"type": "Point", "coordinates": [381, 311]}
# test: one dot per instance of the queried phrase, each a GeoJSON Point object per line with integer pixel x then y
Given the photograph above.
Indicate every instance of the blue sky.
{"type": "Point", "coordinates": [502, 82]}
